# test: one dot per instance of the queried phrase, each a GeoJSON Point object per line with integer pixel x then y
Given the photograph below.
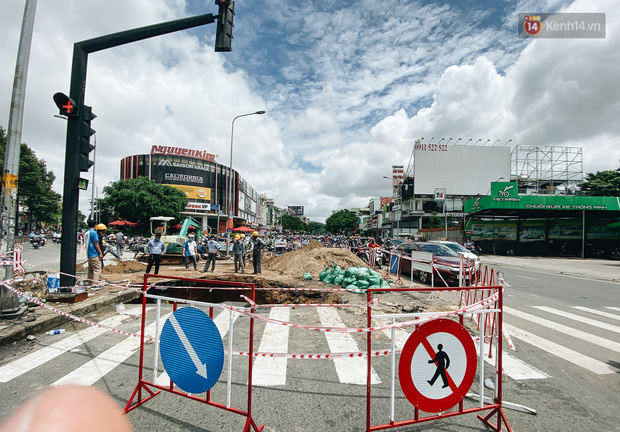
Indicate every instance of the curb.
{"type": "Point", "coordinates": [52, 320]}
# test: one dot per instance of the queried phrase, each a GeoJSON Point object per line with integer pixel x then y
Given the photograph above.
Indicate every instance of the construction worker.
{"type": "Point", "coordinates": [238, 254]}
{"type": "Point", "coordinates": [257, 247]}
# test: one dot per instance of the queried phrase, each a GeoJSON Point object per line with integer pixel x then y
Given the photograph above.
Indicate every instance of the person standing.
{"type": "Point", "coordinates": [93, 252]}
{"type": "Point", "coordinates": [119, 242]}
{"type": "Point", "coordinates": [154, 249]}
{"type": "Point", "coordinates": [246, 245]}
{"type": "Point", "coordinates": [257, 248]}
{"type": "Point", "coordinates": [238, 254]}
{"type": "Point", "coordinates": [189, 252]}
{"type": "Point", "coordinates": [212, 248]}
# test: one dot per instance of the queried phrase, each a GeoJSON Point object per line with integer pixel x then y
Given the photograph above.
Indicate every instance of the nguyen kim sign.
{"type": "Point", "coordinates": [177, 151]}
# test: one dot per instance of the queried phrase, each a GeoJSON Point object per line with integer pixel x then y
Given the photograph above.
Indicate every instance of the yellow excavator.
{"type": "Point", "coordinates": [174, 243]}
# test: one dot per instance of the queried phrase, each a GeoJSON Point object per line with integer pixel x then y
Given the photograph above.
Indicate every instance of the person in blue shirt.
{"type": "Point", "coordinates": [93, 252]}
{"type": "Point", "coordinates": [154, 250]}
{"type": "Point", "coordinates": [212, 248]}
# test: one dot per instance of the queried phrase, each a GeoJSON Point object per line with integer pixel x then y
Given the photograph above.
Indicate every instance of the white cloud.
{"type": "Point", "coordinates": [347, 86]}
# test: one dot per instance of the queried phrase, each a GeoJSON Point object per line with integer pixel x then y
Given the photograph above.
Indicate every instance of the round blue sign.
{"type": "Point", "coordinates": [191, 350]}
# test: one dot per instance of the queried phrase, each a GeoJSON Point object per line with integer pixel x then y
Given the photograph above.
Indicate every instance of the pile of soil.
{"type": "Point", "coordinates": [313, 258]}
{"type": "Point", "coordinates": [124, 267]}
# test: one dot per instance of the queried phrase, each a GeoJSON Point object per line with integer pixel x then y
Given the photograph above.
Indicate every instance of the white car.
{"type": "Point", "coordinates": [460, 249]}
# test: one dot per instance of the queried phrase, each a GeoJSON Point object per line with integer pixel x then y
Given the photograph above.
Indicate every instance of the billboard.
{"type": "Point", "coordinates": [193, 192]}
{"type": "Point", "coordinates": [296, 210]}
{"type": "Point", "coordinates": [461, 170]}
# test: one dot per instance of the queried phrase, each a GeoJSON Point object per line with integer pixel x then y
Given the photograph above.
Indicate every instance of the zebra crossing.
{"type": "Point", "coordinates": [276, 338]}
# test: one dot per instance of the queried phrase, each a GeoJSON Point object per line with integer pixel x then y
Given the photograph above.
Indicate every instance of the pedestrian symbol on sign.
{"type": "Point", "coordinates": [455, 362]}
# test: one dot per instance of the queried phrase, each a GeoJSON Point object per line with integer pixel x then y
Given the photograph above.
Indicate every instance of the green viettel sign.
{"type": "Point", "coordinates": [538, 202]}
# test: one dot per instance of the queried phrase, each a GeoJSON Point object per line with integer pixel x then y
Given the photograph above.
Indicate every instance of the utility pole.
{"type": "Point", "coordinates": [9, 303]}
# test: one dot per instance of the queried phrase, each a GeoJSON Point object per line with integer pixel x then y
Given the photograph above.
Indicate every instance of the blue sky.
{"type": "Point", "coordinates": [347, 86]}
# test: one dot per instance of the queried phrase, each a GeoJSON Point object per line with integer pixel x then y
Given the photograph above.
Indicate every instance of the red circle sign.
{"type": "Point", "coordinates": [437, 365]}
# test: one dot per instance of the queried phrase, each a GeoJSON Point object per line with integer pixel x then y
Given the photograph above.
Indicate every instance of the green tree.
{"type": "Point", "coordinates": [433, 221]}
{"type": "Point", "coordinates": [602, 183]}
{"type": "Point", "coordinates": [340, 221]}
{"type": "Point", "coordinates": [316, 228]}
{"type": "Point", "coordinates": [34, 187]}
{"type": "Point", "coordinates": [293, 223]}
{"type": "Point", "coordinates": [140, 199]}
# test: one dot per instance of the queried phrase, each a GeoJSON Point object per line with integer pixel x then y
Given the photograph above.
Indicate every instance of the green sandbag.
{"type": "Point", "coordinates": [385, 284]}
{"type": "Point", "coordinates": [307, 276]}
{"type": "Point", "coordinates": [338, 280]}
{"type": "Point", "coordinates": [374, 280]}
{"type": "Point", "coordinates": [349, 280]}
{"type": "Point", "coordinates": [329, 280]}
{"type": "Point", "coordinates": [362, 276]}
{"type": "Point", "coordinates": [362, 284]}
{"type": "Point", "coordinates": [323, 274]}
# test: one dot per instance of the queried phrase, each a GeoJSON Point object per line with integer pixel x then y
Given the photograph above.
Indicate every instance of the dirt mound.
{"type": "Point", "coordinates": [313, 245]}
{"type": "Point", "coordinates": [124, 267]}
{"type": "Point", "coordinates": [313, 259]}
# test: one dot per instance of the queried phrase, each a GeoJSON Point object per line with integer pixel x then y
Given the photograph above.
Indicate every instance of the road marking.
{"type": "Point", "coordinates": [39, 357]}
{"type": "Point", "coordinates": [89, 373]}
{"type": "Point", "coordinates": [617, 309]}
{"type": "Point", "coordinates": [597, 312]}
{"type": "Point", "coordinates": [593, 365]}
{"type": "Point", "coordinates": [271, 371]}
{"type": "Point", "coordinates": [222, 323]}
{"type": "Point", "coordinates": [569, 331]}
{"type": "Point", "coordinates": [512, 366]}
{"type": "Point", "coordinates": [525, 277]}
{"type": "Point", "coordinates": [350, 370]}
{"type": "Point", "coordinates": [584, 320]}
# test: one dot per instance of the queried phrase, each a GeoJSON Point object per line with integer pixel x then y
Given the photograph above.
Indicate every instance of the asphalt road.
{"type": "Point", "coordinates": [566, 367]}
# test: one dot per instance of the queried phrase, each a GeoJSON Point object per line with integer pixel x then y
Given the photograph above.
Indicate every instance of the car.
{"type": "Point", "coordinates": [447, 263]}
{"type": "Point", "coordinates": [461, 250]}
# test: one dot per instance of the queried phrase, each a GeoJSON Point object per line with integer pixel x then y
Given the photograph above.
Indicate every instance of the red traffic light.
{"type": "Point", "coordinates": [65, 104]}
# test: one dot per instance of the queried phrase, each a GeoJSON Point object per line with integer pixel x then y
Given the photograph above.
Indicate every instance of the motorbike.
{"type": "Point", "coordinates": [36, 242]}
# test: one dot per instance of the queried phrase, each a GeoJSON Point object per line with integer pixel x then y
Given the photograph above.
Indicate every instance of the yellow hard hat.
{"type": "Point", "coordinates": [101, 227]}
{"type": "Point", "coordinates": [237, 237]}
{"type": "Point", "coordinates": [242, 235]}
{"type": "Point", "coordinates": [255, 233]}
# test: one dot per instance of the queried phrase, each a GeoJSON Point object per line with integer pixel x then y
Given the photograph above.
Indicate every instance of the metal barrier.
{"type": "Point", "coordinates": [188, 343]}
{"type": "Point", "coordinates": [416, 391]}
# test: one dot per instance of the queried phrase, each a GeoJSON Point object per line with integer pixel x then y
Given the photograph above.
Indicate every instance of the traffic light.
{"type": "Point", "coordinates": [65, 105]}
{"type": "Point", "coordinates": [86, 116]}
{"type": "Point", "coordinates": [223, 35]}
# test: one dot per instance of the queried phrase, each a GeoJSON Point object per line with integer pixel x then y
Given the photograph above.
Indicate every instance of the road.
{"type": "Point", "coordinates": [566, 366]}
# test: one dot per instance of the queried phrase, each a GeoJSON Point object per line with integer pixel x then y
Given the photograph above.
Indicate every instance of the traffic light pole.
{"type": "Point", "coordinates": [68, 248]}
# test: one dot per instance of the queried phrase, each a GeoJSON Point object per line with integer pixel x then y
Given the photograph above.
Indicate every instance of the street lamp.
{"type": "Point", "coordinates": [229, 188]}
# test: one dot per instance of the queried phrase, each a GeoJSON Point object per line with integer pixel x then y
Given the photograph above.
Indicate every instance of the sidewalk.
{"type": "Point", "coordinates": [590, 268]}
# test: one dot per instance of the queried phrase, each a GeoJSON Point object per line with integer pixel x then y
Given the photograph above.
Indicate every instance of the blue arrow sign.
{"type": "Point", "coordinates": [191, 350]}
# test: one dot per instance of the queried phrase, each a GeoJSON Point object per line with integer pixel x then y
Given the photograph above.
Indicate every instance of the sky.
{"type": "Point", "coordinates": [347, 87]}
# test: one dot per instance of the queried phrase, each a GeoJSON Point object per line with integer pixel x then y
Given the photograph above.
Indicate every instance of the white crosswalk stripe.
{"type": "Point", "coordinates": [601, 342]}
{"type": "Point", "coordinates": [350, 370]}
{"type": "Point", "coordinates": [597, 312]}
{"type": "Point", "coordinates": [272, 371]}
{"type": "Point", "coordinates": [97, 368]}
{"type": "Point", "coordinates": [579, 318]}
{"type": "Point", "coordinates": [596, 366]}
{"type": "Point", "coordinates": [42, 356]}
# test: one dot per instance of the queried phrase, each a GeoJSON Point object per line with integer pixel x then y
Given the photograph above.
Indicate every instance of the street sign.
{"type": "Point", "coordinates": [191, 350]}
{"type": "Point", "coordinates": [440, 194]}
{"type": "Point", "coordinates": [437, 366]}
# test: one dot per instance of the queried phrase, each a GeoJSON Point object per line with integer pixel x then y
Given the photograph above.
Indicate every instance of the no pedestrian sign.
{"type": "Point", "coordinates": [191, 350]}
{"type": "Point", "coordinates": [437, 366]}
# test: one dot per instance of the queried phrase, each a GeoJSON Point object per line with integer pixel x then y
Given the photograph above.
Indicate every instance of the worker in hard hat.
{"type": "Point", "coordinates": [257, 248]}
{"type": "Point", "coordinates": [238, 250]}
{"type": "Point", "coordinates": [189, 252]}
{"type": "Point", "coordinates": [93, 252]}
